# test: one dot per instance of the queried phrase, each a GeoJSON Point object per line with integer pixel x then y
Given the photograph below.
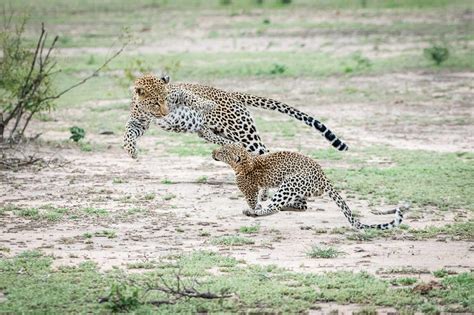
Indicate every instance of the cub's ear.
{"type": "Point", "coordinates": [165, 79]}
{"type": "Point", "coordinates": [140, 91]}
{"type": "Point", "coordinates": [237, 158]}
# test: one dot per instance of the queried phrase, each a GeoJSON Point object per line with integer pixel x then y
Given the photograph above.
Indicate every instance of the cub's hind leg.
{"type": "Point", "coordinates": [288, 191]}
{"type": "Point", "coordinates": [298, 204]}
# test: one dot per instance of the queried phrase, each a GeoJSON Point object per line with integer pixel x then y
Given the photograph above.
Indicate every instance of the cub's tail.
{"type": "Point", "coordinates": [356, 223]}
{"type": "Point", "coordinates": [262, 102]}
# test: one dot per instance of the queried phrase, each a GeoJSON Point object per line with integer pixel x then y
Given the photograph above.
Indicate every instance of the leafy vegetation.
{"type": "Point", "coordinates": [232, 240]}
{"type": "Point", "coordinates": [252, 229]}
{"type": "Point", "coordinates": [454, 231]}
{"type": "Point", "coordinates": [30, 283]}
{"type": "Point", "coordinates": [420, 177]}
{"type": "Point", "coordinates": [323, 252]}
{"type": "Point", "coordinates": [77, 133]}
{"type": "Point", "coordinates": [438, 54]}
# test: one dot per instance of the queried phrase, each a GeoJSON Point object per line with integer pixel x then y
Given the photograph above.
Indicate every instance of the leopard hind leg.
{"type": "Point", "coordinates": [290, 190]}
{"type": "Point", "coordinates": [298, 204]}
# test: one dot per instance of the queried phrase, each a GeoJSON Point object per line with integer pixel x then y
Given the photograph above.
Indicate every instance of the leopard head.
{"type": "Point", "coordinates": [235, 156]}
{"type": "Point", "coordinates": [150, 92]}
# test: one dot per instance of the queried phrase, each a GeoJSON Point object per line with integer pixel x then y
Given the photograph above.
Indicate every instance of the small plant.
{"type": "Point", "coordinates": [403, 281]}
{"type": "Point", "coordinates": [142, 265]}
{"type": "Point", "coordinates": [149, 196]}
{"type": "Point", "coordinates": [85, 146]}
{"type": "Point", "coordinates": [122, 298]}
{"type": "Point", "coordinates": [232, 240]}
{"type": "Point", "coordinates": [441, 273]}
{"type": "Point", "coordinates": [135, 211]}
{"type": "Point", "coordinates": [201, 179]}
{"type": "Point", "coordinates": [204, 233]}
{"type": "Point", "coordinates": [132, 70]}
{"type": "Point", "coordinates": [167, 181]}
{"type": "Point", "coordinates": [118, 180]}
{"type": "Point", "coordinates": [225, 2]}
{"type": "Point", "coordinates": [77, 133]}
{"type": "Point", "coordinates": [323, 252]}
{"type": "Point", "coordinates": [106, 233]}
{"type": "Point", "coordinates": [95, 211]}
{"type": "Point", "coordinates": [358, 62]}
{"type": "Point", "coordinates": [169, 196]}
{"type": "Point", "coordinates": [437, 53]}
{"type": "Point", "coordinates": [250, 229]}
{"type": "Point", "coordinates": [277, 69]}
{"type": "Point", "coordinates": [32, 213]}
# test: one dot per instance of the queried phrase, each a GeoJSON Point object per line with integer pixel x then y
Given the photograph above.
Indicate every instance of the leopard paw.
{"type": "Point", "coordinates": [249, 213]}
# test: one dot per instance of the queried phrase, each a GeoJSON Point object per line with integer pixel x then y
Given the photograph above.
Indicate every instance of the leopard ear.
{"type": "Point", "coordinates": [237, 158]}
{"type": "Point", "coordinates": [140, 91]}
{"type": "Point", "coordinates": [165, 79]}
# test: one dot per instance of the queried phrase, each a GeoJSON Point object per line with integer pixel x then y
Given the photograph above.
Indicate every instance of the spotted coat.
{"type": "Point", "coordinates": [296, 178]}
{"type": "Point", "coordinates": [218, 116]}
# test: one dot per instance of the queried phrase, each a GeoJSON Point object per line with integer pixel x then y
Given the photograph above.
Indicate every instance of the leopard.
{"type": "Point", "coordinates": [218, 116]}
{"type": "Point", "coordinates": [296, 178]}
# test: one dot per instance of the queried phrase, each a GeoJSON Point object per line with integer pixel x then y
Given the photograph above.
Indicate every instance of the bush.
{"type": "Point", "coordinates": [437, 53]}
{"type": "Point", "coordinates": [26, 78]}
{"type": "Point", "coordinates": [77, 133]}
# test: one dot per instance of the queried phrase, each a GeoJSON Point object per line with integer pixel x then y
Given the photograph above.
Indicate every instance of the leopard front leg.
{"type": "Point", "coordinates": [134, 129]}
{"type": "Point", "coordinates": [250, 191]}
{"type": "Point", "coordinates": [208, 135]}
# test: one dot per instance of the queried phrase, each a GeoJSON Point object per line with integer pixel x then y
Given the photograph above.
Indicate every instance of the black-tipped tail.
{"type": "Point", "coordinates": [267, 103]}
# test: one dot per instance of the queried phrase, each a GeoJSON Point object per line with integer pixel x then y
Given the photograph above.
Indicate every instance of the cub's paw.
{"type": "Point", "coordinates": [249, 212]}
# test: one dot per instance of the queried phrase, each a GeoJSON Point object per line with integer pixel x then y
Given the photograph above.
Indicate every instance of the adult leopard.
{"type": "Point", "coordinates": [218, 116]}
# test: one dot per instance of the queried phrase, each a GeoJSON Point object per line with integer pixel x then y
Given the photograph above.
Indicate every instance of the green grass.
{"type": "Point", "coordinates": [118, 180]}
{"type": "Point", "coordinates": [98, 212]}
{"type": "Point", "coordinates": [188, 145]}
{"type": "Point", "coordinates": [202, 179]}
{"type": "Point", "coordinates": [453, 231]}
{"type": "Point", "coordinates": [441, 273]}
{"type": "Point", "coordinates": [326, 154]}
{"type": "Point", "coordinates": [106, 233]}
{"type": "Point", "coordinates": [44, 212]}
{"type": "Point", "coordinates": [167, 181]}
{"type": "Point", "coordinates": [168, 196]}
{"type": "Point", "coordinates": [423, 178]}
{"type": "Point", "coordinates": [197, 65]}
{"type": "Point", "coordinates": [149, 196]}
{"type": "Point", "coordinates": [403, 281]}
{"type": "Point", "coordinates": [232, 240]}
{"type": "Point", "coordinates": [252, 229]}
{"type": "Point", "coordinates": [323, 252]}
{"type": "Point", "coordinates": [30, 283]}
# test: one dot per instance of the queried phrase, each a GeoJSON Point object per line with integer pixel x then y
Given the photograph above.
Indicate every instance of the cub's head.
{"type": "Point", "coordinates": [150, 92]}
{"type": "Point", "coordinates": [235, 155]}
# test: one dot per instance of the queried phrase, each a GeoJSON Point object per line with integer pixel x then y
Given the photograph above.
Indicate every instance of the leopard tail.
{"type": "Point", "coordinates": [355, 222]}
{"type": "Point", "coordinates": [267, 103]}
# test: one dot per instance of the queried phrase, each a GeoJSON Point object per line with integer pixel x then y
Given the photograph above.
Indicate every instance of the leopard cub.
{"type": "Point", "coordinates": [296, 178]}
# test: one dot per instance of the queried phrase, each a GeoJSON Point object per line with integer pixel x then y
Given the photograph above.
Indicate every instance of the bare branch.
{"type": "Point", "coordinates": [118, 52]}
{"type": "Point", "coordinates": [33, 63]}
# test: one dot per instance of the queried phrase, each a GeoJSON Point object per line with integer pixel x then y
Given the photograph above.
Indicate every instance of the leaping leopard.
{"type": "Point", "coordinates": [218, 116]}
{"type": "Point", "coordinates": [296, 177]}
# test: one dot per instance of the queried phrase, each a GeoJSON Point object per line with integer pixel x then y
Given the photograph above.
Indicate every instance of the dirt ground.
{"type": "Point", "coordinates": [411, 110]}
{"type": "Point", "coordinates": [216, 205]}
